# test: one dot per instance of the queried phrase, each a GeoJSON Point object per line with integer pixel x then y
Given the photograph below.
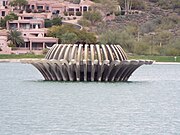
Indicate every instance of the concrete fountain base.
{"type": "Point", "coordinates": [87, 63]}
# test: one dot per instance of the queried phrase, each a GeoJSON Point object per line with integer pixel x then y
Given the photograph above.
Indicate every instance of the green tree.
{"type": "Point", "coordinates": [83, 22]}
{"type": "Point", "coordinates": [10, 17]}
{"type": "Point", "coordinates": [93, 17]}
{"type": "Point", "coordinates": [85, 37]}
{"type": "Point", "coordinates": [126, 40]}
{"type": "Point", "coordinates": [65, 32]}
{"type": "Point", "coordinates": [47, 23]}
{"type": "Point", "coordinates": [19, 3]}
{"type": "Point", "coordinates": [15, 37]}
{"type": "Point", "coordinates": [69, 38]}
{"type": "Point", "coordinates": [55, 21]}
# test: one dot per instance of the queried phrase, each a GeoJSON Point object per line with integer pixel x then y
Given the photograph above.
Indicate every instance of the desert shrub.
{"type": "Point", "coordinates": [28, 10]}
{"type": "Point", "coordinates": [118, 37]}
{"type": "Point", "coordinates": [117, 13]}
{"type": "Point", "coordinates": [147, 27]}
{"type": "Point", "coordinates": [138, 5]}
{"type": "Point", "coordinates": [93, 16]}
{"type": "Point", "coordinates": [84, 22]}
{"type": "Point", "coordinates": [44, 51]}
{"type": "Point", "coordinates": [71, 13]}
{"type": "Point", "coordinates": [47, 23]}
{"type": "Point", "coordinates": [78, 13]}
{"type": "Point", "coordinates": [153, 1]}
{"type": "Point", "coordinates": [65, 13]}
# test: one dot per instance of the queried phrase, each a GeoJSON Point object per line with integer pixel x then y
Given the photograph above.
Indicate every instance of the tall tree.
{"type": "Point", "coordinates": [15, 37]}
{"type": "Point", "coordinates": [19, 3]}
{"type": "Point", "coordinates": [69, 34]}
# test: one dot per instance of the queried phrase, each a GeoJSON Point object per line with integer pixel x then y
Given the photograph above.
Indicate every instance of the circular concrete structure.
{"type": "Point", "coordinates": [72, 62]}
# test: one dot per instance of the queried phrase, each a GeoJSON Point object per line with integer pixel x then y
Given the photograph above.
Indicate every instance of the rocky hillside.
{"type": "Point", "coordinates": [145, 27]}
{"type": "Point", "coordinates": [154, 15]}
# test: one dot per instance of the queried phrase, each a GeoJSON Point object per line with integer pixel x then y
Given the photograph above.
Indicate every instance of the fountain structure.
{"type": "Point", "coordinates": [72, 62]}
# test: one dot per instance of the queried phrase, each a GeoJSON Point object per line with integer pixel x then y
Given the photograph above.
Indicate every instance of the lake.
{"type": "Point", "coordinates": [148, 104]}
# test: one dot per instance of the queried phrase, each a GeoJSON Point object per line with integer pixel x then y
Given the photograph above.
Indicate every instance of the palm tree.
{"type": "Point", "coordinates": [15, 37]}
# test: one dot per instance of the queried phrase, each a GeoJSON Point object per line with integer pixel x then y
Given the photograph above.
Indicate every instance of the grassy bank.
{"type": "Point", "coordinates": [157, 58]}
{"type": "Point", "coordinates": [20, 56]}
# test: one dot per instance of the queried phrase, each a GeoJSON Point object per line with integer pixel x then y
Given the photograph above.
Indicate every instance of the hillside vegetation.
{"type": "Point", "coordinates": [142, 27]}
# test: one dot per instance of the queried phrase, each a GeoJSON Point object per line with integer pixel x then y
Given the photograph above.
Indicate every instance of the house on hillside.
{"type": "Point", "coordinates": [4, 10]}
{"type": "Point", "coordinates": [62, 9]}
{"type": "Point", "coordinates": [33, 33]}
{"type": "Point", "coordinates": [31, 21]}
{"type": "Point", "coordinates": [28, 16]}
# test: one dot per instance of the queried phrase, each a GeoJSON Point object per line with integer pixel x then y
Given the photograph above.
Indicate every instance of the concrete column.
{"type": "Point", "coordinates": [44, 45]}
{"type": "Point", "coordinates": [30, 46]}
{"type": "Point", "coordinates": [18, 26]}
{"type": "Point", "coordinates": [82, 10]}
{"type": "Point", "coordinates": [74, 12]}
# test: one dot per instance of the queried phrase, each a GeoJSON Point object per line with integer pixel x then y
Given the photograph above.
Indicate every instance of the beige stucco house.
{"type": "Point", "coordinates": [31, 25]}
{"type": "Point", "coordinates": [33, 33]}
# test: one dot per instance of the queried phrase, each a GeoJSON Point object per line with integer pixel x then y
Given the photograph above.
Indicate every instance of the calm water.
{"type": "Point", "coordinates": [148, 104]}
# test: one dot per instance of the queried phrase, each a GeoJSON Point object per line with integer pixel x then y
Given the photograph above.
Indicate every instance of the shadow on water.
{"type": "Point", "coordinates": [88, 82]}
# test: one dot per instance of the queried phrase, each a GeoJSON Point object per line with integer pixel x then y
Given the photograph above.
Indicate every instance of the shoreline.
{"type": "Point", "coordinates": [166, 63]}
{"type": "Point", "coordinates": [24, 60]}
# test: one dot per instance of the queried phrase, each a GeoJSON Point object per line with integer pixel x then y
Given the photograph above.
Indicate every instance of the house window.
{"type": "Point", "coordinates": [71, 9]}
{"type": "Point", "coordinates": [4, 3]}
{"type": "Point", "coordinates": [28, 18]}
{"type": "Point", "coordinates": [39, 7]}
{"type": "Point", "coordinates": [34, 26]}
{"type": "Point", "coordinates": [85, 8]}
{"type": "Point", "coordinates": [13, 26]}
{"type": "Point", "coordinates": [3, 13]}
{"type": "Point", "coordinates": [28, 6]}
{"type": "Point", "coordinates": [77, 9]}
{"type": "Point", "coordinates": [32, 6]}
{"type": "Point", "coordinates": [57, 11]}
{"type": "Point", "coordinates": [47, 7]}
